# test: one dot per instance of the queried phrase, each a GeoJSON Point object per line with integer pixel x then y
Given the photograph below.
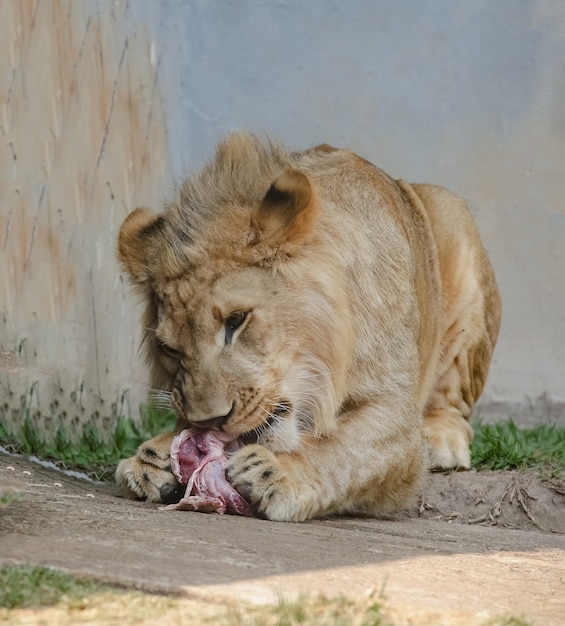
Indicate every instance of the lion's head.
{"type": "Point", "coordinates": [246, 317]}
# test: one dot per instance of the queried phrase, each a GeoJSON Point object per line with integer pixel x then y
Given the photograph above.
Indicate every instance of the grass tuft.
{"type": "Point", "coordinates": [31, 594]}
{"type": "Point", "coordinates": [9, 496]}
{"type": "Point", "coordinates": [23, 586]}
{"type": "Point", "coordinates": [310, 611]}
{"type": "Point", "coordinates": [501, 446]}
{"type": "Point", "coordinates": [504, 446]}
{"type": "Point", "coordinates": [36, 587]}
{"type": "Point", "coordinates": [95, 454]}
{"type": "Point", "coordinates": [508, 621]}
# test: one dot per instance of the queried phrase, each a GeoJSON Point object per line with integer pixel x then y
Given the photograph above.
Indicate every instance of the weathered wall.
{"type": "Point", "coordinates": [82, 142]}
{"type": "Point", "coordinates": [466, 94]}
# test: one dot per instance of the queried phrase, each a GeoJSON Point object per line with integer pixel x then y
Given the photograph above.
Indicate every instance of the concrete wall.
{"type": "Point", "coordinates": [82, 141]}
{"type": "Point", "coordinates": [104, 103]}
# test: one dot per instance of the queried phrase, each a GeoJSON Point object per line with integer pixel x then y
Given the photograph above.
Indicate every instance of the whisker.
{"type": "Point", "coordinates": [313, 390]}
{"type": "Point", "coordinates": [272, 416]}
{"type": "Point", "coordinates": [162, 392]}
{"type": "Point", "coordinates": [165, 407]}
{"type": "Point", "coordinates": [274, 419]}
{"type": "Point", "coordinates": [139, 382]}
{"type": "Point", "coordinates": [160, 398]}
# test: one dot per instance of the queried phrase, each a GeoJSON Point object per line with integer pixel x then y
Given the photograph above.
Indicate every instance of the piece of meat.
{"type": "Point", "coordinates": [198, 460]}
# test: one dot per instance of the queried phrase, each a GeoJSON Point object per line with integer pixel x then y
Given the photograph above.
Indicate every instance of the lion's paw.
{"type": "Point", "coordinates": [448, 437]}
{"type": "Point", "coordinates": [147, 475]}
{"type": "Point", "coordinates": [262, 479]}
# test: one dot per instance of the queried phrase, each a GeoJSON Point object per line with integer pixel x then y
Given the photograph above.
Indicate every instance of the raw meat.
{"type": "Point", "coordinates": [198, 460]}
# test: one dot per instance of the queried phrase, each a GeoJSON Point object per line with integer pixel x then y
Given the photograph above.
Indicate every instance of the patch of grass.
{"type": "Point", "coordinates": [504, 446]}
{"type": "Point", "coordinates": [23, 586]}
{"type": "Point", "coordinates": [33, 587]}
{"type": "Point", "coordinates": [40, 587]}
{"type": "Point", "coordinates": [96, 453]}
{"type": "Point", "coordinates": [9, 496]}
{"type": "Point", "coordinates": [317, 611]}
{"type": "Point", "coordinates": [501, 446]}
{"type": "Point", "coordinates": [508, 621]}
{"type": "Point", "coordinates": [39, 595]}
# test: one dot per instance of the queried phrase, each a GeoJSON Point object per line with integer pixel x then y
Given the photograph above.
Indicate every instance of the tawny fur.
{"type": "Point", "coordinates": [370, 313]}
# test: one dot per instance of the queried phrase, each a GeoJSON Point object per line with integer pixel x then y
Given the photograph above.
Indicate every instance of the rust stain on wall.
{"type": "Point", "coordinates": [82, 143]}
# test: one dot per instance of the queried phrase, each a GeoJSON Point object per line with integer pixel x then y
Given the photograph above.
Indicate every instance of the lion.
{"type": "Point", "coordinates": [341, 323]}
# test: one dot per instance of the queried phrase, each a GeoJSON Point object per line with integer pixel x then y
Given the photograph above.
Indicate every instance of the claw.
{"type": "Point", "coordinates": [171, 492]}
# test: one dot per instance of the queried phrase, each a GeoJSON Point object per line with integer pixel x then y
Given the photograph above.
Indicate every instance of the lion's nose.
{"type": "Point", "coordinates": [216, 423]}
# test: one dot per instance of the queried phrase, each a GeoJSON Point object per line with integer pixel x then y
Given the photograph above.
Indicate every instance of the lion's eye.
{"type": "Point", "coordinates": [169, 352]}
{"type": "Point", "coordinates": [233, 322]}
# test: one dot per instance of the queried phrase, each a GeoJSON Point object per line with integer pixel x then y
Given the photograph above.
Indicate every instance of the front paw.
{"type": "Point", "coordinates": [448, 436]}
{"type": "Point", "coordinates": [147, 475]}
{"type": "Point", "coordinates": [270, 483]}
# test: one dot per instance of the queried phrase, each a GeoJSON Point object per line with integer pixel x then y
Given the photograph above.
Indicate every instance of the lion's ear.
{"type": "Point", "coordinates": [138, 226]}
{"type": "Point", "coordinates": [288, 210]}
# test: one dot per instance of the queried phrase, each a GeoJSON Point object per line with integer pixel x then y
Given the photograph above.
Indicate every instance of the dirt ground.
{"type": "Point", "coordinates": [476, 546]}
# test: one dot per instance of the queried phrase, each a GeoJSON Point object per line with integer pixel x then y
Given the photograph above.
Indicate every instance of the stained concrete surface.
{"type": "Point", "coordinates": [446, 568]}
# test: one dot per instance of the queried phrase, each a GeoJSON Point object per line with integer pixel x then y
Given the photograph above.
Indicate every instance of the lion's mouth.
{"type": "Point", "coordinates": [253, 436]}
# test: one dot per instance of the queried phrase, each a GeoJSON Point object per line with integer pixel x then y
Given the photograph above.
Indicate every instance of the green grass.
{"type": "Point", "coordinates": [23, 586]}
{"type": "Point", "coordinates": [317, 611]}
{"type": "Point", "coordinates": [501, 446]}
{"type": "Point", "coordinates": [504, 446]}
{"type": "Point", "coordinates": [96, 453]}
{"type": "Point", "coordinates": [508, 621]}
{"type": "Point", "coordinates": [35, 587]}
{"type": "Point", "coordinates": [61, 598]}
{"type": "Point", "coordinates": [7, 497]}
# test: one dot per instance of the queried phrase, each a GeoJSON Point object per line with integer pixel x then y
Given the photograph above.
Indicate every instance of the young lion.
{"type": "Point", "coordinates": [340, 321]}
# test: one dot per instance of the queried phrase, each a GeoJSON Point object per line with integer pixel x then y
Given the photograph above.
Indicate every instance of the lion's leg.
{"type": "Point", "coordinates": [446, 419]}
{"type": "Point", "coordinates": [448, 433]}
{"type": "Point", "coordinates": [470, 322]}
{"type": "Point", "coordinates": [369, 465]}
{"type": "Point", "coordinates": [147, 475]}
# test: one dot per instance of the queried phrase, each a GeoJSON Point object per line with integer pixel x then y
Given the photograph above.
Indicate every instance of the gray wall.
{"type": "Point", "coordinates": [468, 94]}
